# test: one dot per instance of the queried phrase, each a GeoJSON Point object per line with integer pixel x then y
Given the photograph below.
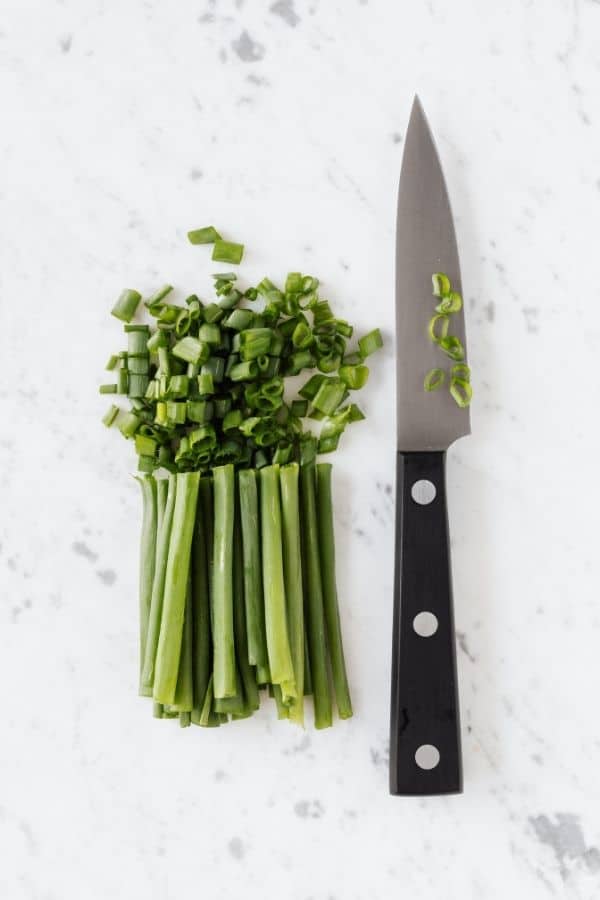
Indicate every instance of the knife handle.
{"type": "Point", "coordinates": [424, 713]}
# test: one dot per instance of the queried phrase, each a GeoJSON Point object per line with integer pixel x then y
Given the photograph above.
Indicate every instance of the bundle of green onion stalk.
{"type": "Point", "coordinates": [237, 563]}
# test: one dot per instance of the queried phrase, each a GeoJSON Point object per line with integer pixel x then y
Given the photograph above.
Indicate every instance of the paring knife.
{"type": "Point", "coordinates": [425, 754]}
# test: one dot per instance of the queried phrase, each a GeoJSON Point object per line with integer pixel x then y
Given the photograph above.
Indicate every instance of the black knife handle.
{"type": "Point", "coordinates": [424, 686]}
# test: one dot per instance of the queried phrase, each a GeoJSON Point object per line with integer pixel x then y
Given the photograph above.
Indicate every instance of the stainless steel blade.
{"type": "Point", "coordinates": [425, 243]}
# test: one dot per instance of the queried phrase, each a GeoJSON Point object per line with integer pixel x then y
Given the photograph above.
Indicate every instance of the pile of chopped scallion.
{"type": "Point", "coordinates": [450, 302]}
{"type": "Point", "coordinates": [237, 563]}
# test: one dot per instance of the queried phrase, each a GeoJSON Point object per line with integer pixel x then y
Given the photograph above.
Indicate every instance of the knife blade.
{"type": "Point", "coordinates": [425, 752]}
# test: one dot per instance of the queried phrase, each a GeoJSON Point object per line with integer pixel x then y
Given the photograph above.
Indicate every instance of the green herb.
{"type": "Point", "coordinates": [206, 235]}
{"type": "Point", "coordinates": [370, 343]}
{"type": "Point", "coordinates": [461, 391]}
{"type": "Point", "coordinates": [439, 325]}
{"type": "Point", "coordinates": [126, 305]}
{"type": "Point", "coordinates": [110, 415]}
{"type": "Point", "coordinates": [441, 284]}
{"type": "Point", "coordinates": [434, 379]}
{"type": "Point", "coordinates": [237, 562]}
{"type": "Point", "coordinates": [226, 251]}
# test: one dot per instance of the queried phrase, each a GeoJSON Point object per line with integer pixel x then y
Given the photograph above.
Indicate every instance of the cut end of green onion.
{"type": "Point", "coordinates": [461, 391]}
{"type": "Point", "coordinates": [441, 284]}
{"type": "Point", "coordinates": [462, 371]}
{"type": "Point", "coordinates": [451, 303]}
{"type": "Point", "coordinates": [126, 305]}
{"type": "Point", "coordinates": [110, 415]}
{"type": "Point", "coordinates": [370, 343]}
{"type": "Point", "coordinates": [207, 235]}
{"type": "Point", "coordinates": [227, 251]}
{"type": "Point", "coordinates": [452, 347]}
{"type": "Point", "coordinates": [438, 328]}
{"type": "Point", "coordinates": [434, 379]}
{"type": "Point", "coordinates": [355, 377]}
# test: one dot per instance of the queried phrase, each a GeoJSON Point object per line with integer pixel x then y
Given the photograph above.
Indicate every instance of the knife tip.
{"type": "Point", "coordinates": [417, 105]}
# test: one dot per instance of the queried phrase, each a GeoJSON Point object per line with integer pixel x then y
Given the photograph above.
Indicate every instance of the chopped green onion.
{"type": "Point", "coordinates": [441, 284]}
{"type": "Point", "coordinates": [108, 388]}
{"type": "Point", "coordinates": [310, 389]}
{"type": "Point", "coordinates": [239, 319]}
{"type": "Point", "coordinates": [243, 371]}
{"type": "Point", "coordinates": [299, 408]}
{"type": "Point", "coordinates": [138, 363]}
{"type": "Point", "coordinates": [224, 276]}
{"type": "Point", "coordinates": [112, 362]}
{"type": "Point", "coordinates": [214, 366]}
{"type": "Point", "coordinates": [434, 379]}
{"type": "Point", "coordinates": [254, 342]}
{"type": "Point", "coordinates": [110, 415]}
{"type": "Point", "coordinates": [191, 350]}
{"type": "Point", "coordinates": [123, 378]}
{"type": "Point", "coordinates": [158, 339]}
{"type": "Point", "coordinates": [137, 385]}
{"type": "Point", "coordinates": [293, 283]}
{"type": "Point", "coordinates": [232, 360]}
{"type": "Point", "coordinates": [302, 336]}
{"type": "Point", "coordinates": [231, 298]}
{"type": "Point", "coordinates": [438, 328]}
{"type": "Point", "coordinates": [158, 296]}
{"type": "Point", "coordinates": [461, 391]}
{"type": "Point", "coordinates": [200, 411]}
{"type": "Point", "coordinates": [209, 333]}
{"type": "Point", "coordinates": [451, 303]}
{"type": "Point", "coordinates": [176, 412]}
{"type": "Point", "coordinates": [222, 406]}
{"type": "Point", "coordinates": [129, 424]}
{"type": "Point", "coordinates": [144, 445]}
{"type": "Point", "coordinates": [126, 305]}
{"type": "Point", "coordinates": [265, 287]}
{"type": "Point", "coordinates": [205, 384]}
{"type": "Point", "coordinates": [164, 361]}
{"type": "Point", "coordinates": [370, 343]}
{"type": "Point", "coordinates": [207, 235]}
{"type": "Point", "coordinates": [232, 420]}
{"type": "Point", "coordinates": [452, 347]}
{"type": "Point", "coordinates": [302, 359]}
{"type": "Point", "coordinates": [329, 396]}
{"type": "Point", "coordinates": [329, 362]}
{"type": "Point", "coordinates": [182, 323]}
{"type": "Point", "coordinates": [462, 371]}
{"type": "Point", "coordinates": [213, 313]}
{"type": "Point", "coordinates": [178, 386]}
{"type": "Point", "coordinates": [355, 377]}
{"type": "Point", "coordinates": [227, 251]}
{"type": "Point", "coordinates": [344, 328]}
{"type": "Point", "coordinates": [203, 438]}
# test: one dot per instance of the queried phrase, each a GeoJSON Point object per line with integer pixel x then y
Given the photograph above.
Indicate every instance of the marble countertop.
{"type": "Point", "coordinates": [123, 125]}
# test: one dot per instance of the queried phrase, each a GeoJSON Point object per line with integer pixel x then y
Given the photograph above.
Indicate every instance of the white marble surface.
{"type": "Point", "coordinates": [122, 126]}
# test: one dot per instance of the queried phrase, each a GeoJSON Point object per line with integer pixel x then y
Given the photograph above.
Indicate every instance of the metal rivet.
{"type": "Point", "coordinates": [423, 492]}
{"type": "Point", "coordinates": [427, 756]}
{"type": "Point", "coordinates": [425, 624]}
